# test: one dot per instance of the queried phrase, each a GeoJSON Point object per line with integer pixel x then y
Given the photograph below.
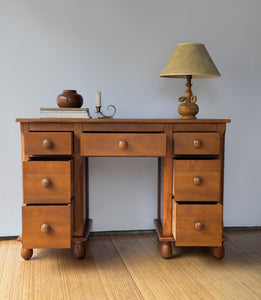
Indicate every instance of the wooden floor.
{"type": "Point", "coordinates": [130, 267]}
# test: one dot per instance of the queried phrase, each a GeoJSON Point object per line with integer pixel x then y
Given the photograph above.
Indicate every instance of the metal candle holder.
{"type": "Point", "coordinates": [101, 115]}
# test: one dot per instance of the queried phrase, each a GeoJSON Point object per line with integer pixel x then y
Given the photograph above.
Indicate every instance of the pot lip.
{"type": "Point", "coordinates": [69, 91]}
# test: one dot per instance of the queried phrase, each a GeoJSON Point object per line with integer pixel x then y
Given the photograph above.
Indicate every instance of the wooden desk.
{"type": "Point", "coordinates": [55, 169]}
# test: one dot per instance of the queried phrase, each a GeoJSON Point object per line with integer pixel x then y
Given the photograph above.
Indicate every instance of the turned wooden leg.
{"type": "Point", "coordinates": [218, 252]}
{"type": "Point", "coordinates": [166, 250]}
{"type": "Point", "coordinates": [26, 253]}
{"type": "Point", "coordinates": [79, 249]}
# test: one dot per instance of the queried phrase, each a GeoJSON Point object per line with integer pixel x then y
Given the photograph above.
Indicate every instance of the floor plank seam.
{"type": "Point", "coordinates": [115, 248]}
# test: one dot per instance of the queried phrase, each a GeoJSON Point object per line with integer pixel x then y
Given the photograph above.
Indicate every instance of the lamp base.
{"type": "Point", "coordinates": [188, 110]}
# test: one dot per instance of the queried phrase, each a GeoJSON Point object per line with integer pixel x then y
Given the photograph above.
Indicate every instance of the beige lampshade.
{"type": "Point", "coordinates": [190, 59]}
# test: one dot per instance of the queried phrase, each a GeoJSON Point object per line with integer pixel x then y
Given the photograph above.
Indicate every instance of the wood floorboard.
{"type": "Point", "coordinates": [130, 267]}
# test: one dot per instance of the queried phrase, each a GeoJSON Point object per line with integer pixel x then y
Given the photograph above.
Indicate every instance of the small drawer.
{"type": "Point", "coordinates": [47, 181]}
{"type": "Point", "coordinates": [196, 143]}
{"type": "Point", "coordinates": [48, 143]}
{"type": "Point", "coordinates": [47, 226]}
{"type": "Point", "coordinates": [197, 180]}
{"type": "Point", "coordinates": [120, 144]}
{"type": "Point", "coordinates": [197, 225]}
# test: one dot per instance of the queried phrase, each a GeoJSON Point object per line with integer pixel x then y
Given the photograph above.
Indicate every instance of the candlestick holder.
{"type": "Point", "coordinates": [101, 115]}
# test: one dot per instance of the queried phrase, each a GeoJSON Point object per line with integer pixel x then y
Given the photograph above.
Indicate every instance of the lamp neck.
{"type": "Point", "coordinates": [188, 92]}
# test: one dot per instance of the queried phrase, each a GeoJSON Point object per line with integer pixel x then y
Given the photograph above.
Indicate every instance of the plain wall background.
{"type": "Point", "coordinates": [120, 47]}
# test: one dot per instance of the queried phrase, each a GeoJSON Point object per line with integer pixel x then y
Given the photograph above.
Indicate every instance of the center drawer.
{"type": "Point", "coordinates": [47, 182]}
{"type": "Point", "coordinates": [123, 144]}
{"type": "Point", "coordinates": [47, 226]}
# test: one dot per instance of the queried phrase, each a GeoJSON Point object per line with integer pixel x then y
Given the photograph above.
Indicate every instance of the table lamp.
{"type": "Point", "coordinates": [189, 60]}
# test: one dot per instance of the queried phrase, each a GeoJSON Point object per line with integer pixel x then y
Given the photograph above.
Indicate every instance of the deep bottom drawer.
{"type": "Point", "coordinates": [46, 226]}
{"type": "Point", "coordinates": [197, 225]}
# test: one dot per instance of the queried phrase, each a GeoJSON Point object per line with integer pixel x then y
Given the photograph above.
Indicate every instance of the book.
{"type": "Point", "coordinates": [49, 112]}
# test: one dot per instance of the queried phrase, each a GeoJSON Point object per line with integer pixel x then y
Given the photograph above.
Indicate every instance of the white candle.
{"type": "Point", "coordinates": [98, 98]}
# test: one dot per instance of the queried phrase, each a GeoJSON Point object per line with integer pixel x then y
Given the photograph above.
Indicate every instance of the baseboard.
{"type": "Point", "coordinates": [242, 227]}
{"type": "Point", "coordinates": [5, 238]}
{"type": "Point", "coordinates": [126, 232]}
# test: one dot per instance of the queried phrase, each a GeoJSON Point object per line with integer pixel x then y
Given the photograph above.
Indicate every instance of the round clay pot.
{"type": "Point", "coordinates": [69, 98]}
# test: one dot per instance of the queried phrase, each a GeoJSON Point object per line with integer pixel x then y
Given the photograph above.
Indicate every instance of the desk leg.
{"type": "Point", "coordinates": [166, 250]}
{"type": "Point", "coordinates": [79, 247]}
{"type": "Point", "coordinates": [80, 241]}
{"type": "Point", "coordinates": [25, 253]}
{"type": "Point", "coordinates": [218, 252]}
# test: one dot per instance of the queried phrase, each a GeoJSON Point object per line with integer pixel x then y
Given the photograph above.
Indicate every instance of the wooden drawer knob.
{"type": "Point", "coordinates": [123, 145]}
{"type": "Point", "coordinates": [197, 181]}
{"type": "Point", "coordinates": [47, 143]}
{"type": "Point", "coordinates": [46, 182]}
{"type": "Point", "coordinates": [197, 143]}
{"type": "Point", "coordinates": [45, 228]}
{"type": "Point", "coordinates": [199, 226]}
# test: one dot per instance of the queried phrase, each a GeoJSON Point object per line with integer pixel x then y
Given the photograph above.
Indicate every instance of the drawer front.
{"type": "Point", "coordinates": [197, 225]}
{"type": "Point", "coordinates": [197, 180]}
{"type": "Point", "coordinates": [196, 143]}
{"type": "Point", "coordinates": [120, 144]}
{"type": "Point", "coordinates": [48, 143]}
{"type": "Point", "coordinates": [46, 226]}
{"type": "Point", "coordinates": [47, 181]}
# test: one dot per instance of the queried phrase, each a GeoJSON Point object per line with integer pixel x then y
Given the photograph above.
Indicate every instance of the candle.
{"type": "Point", "coordinates": [98, 98]}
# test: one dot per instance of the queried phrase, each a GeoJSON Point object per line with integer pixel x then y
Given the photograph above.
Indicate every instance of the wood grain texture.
{"type": "Point", "coordinates": [56, 174]}
{"type": "Point", "coordinates": [137, 144]}
{"type": "Point", "coordinates": [222, 131]}
{"type": "Point", "coordinates": [115, 121]}
{"type": "Point", "coordinates": [117, 127]}
{"type": "Point", "coordinates": [129, 267]}
{"type": "Point", "coordinates": [50, 126]}
{"type": "Point", "coordinates": [24, 132]}
{"type": "Point", "coordinates": [195, 127]}
{"type": "Point", "coordinates": [167, 183]}
{"type": "Point", "coordinates": [184, 143]}
{"type": "Point", "coordinates": [187, 229]}
{"type": "Point", "coordinates": [48, 138]}
{"type": "Point", "coordinates": [205, 188]}
{"type": "Point", "coordinates": [78, 171]}
{"type": "Point", "coordinates": [56, 217]}
{"type": "Point", "coordinates": [61, 143]}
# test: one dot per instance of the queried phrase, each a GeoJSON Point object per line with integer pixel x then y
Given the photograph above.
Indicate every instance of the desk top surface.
{"type": "Point", "coordinates": [144, 121]}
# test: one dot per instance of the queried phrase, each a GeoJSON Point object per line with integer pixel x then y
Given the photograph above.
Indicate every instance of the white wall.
{"type": "Point", "coordinates": [120, 47]}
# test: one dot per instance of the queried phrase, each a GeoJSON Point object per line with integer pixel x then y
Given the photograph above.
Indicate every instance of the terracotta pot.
{"type": "Point", "coordinates": [69, 98]}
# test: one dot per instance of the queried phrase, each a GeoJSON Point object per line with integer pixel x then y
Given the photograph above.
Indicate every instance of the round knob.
{"type": "Point", "coordinates": [199, 226]}
{"type": "Point", "coordinates": [197, 143]}
{"type": "Point", "coordinates": [46, 182]}
{"type": "Point", "coordinates": [123, 145]}
{"type": "Point", "coordinates": [45, 228]}
{"type": "Point", "coordinates": [47, 143]}
{"type": "Point", "coordinates": [197, 181]}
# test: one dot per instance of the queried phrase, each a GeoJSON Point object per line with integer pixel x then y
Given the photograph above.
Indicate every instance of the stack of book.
{"type": "Point", "coordinates": [64, 113]}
